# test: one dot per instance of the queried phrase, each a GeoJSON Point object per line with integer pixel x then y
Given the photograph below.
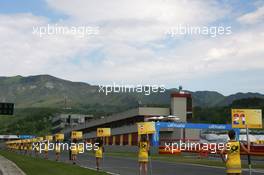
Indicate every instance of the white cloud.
{"type": "Point", "coordinates": [166, 11]}
{"type": "Point", "coordinates": [29, 53]}
{"type": "Point", "coordinates": [139, 20]}
{"type": "Point", "coordinates": [253, 17]}
{"type": "Point", "coordinates": [132, 45]}
{"type": "Point", "coordinates": [216, 53]}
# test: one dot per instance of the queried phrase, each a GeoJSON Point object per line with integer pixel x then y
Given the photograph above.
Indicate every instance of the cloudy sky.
{"type": "Point", "coordinates": [133, 46]}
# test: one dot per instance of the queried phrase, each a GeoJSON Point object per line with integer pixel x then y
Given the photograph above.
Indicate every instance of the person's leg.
{"type": "Point", "coordinates": [145, 168]}
{"type": "Point", "coordinates": [73, 159]}
{"type": "Point", "coordinates": [97, 163]}
{"type": "Point", "coordinates": [140, 168]}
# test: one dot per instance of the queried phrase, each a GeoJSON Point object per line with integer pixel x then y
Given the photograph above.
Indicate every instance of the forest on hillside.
{"type": "Point", "coordinates": [38, 120]}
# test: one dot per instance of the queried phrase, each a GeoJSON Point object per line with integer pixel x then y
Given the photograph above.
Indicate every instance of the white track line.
{"type": "Point", "coordinates": [209, 166]}
{"type": "Point", "coordinates": [96, 170]}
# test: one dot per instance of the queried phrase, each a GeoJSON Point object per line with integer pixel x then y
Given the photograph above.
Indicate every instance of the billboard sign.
{"type": "Point", "coordinates": [76, 135]}
{"type": "Point", "coordinates": [103, 132]}
{"type": "Point", "coordinates": [146, 128]}
{"type": "Point", "coordinates": [243, 118]}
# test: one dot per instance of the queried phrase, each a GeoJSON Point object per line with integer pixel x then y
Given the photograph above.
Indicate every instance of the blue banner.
{"type": "Point", "coordinates": [193, 125]}
{"type": "Point", "coordinates": [26, 136]}
{"type": "Point", "coordinates": [159, 125]}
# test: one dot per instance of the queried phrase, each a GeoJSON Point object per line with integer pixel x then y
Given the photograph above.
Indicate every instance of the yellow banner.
{"type": "Point", "coordinates": [242, 118]}
{"type": "Point", "coordinates": [76, 134]}
{"type": "Point", "coordinates": [103, 132]}
{"type": "Point", "coordinates": [59, 137]}
{"type": "Point", "coordinates": [39, 139]}
{"type": "Point", "coordinates": [49, 138]}
{"type": "Point", "coordinates": [146, 128]}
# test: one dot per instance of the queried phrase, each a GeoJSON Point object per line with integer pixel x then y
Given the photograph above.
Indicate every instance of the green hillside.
{"type": "Point", "coordinates": [223, 114]}
{"type": "Point", "coordinates": [37, 98]}
{"type": "Point", "coordinates": [48, 91]}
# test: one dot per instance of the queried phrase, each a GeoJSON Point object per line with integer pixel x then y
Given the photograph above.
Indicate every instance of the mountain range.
{"type": "Point", "coordinates": [38, 98]}
{"type": "Point", "coordinates": [49, 91]}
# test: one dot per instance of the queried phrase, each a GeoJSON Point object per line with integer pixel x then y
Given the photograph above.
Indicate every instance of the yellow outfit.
{"type": "Point", "coordinates": [30, 147]}
{"type": "Point", "coordinates": [74, 150]}
{"type": "Point", "coordinates": [143, 152]}
{"type": "Point", "coordinates": [99, 152]}
{"type": "Point", "coordinates": [80, 149]}
{"type": "Point", "coordinates": [57, 148]}
{"type": "Point", "coordinates": [37, 147]}
{"type": "Point", "coordinates": [233, 163]}
{"type": "Point", "coordinates": [46, 147]}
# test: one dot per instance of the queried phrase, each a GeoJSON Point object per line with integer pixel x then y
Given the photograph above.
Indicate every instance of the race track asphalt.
{"type": "Point", "coordinates": [129, 166]}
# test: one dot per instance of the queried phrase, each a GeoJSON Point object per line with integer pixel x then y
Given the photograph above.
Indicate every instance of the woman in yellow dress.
{"type": "Point", "coordinates": [232, 158]}
{"type": "Point", "coordinates": [21, 147]}
{"type": "Point", "coordinates": [74, 151]}
{"type": "Point", "coordinates": [37, 148]}
{"type": "Point", "coordinates": [143, 154]}
{"type": "Point", "coordinates": [99, 152]}
{"type": "Point", "coordinates": [46, 151]}
{"type": "Point", "coordinates": [57, 150]}
{"type": "Point", "coordinates": [29, 147]}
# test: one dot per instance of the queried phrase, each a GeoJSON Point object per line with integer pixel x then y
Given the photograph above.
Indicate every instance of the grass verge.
{"type": "Point", "coordinates": [33, 166]}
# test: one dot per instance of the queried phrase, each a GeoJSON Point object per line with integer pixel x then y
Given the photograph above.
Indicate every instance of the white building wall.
{"type": "Point", "coordinates": [179, 108]}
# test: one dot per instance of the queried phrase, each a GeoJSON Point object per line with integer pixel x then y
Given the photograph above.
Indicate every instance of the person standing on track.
{"type": "Point", "coordinates": [37, 149]}
{"type": "Point", "coordinates": [232, 158]}
{"type": "Point", "coordinates": [99, 153]}
{"type": "Point", "coordinates": [57, 150]}
{"type": "Point", "coordinates": [46, 151]}
{"type": "Point", "coordinates": [143, 155]}
{"type": "Point", "coordinates": [74, 152]}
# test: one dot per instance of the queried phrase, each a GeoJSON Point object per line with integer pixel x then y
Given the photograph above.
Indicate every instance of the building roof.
{"type": "Point", "coordinates": [73, 116]}
{"type": "Point", "coordinates": [140, 111]}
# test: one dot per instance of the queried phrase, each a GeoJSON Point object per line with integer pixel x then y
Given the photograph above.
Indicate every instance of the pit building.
{"type": "Point", "coordinates": [124, 125]}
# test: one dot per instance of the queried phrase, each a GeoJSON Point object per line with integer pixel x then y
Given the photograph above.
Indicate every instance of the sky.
{"type": "Point", "coordinates": [131, 44]}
